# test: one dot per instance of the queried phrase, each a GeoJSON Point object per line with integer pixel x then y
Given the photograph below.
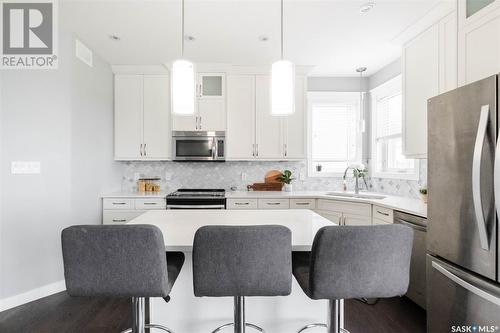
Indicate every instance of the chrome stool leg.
{"type": "Point", "coordinates": [138, 318]}
{"type": "Point", "coordinates": [239, 318]}
{"type": "Point", "coordinates": [335, 318]}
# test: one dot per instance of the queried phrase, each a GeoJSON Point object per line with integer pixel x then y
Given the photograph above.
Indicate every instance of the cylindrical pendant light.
{"type": "Point", "coordinates": [282, 83]}
{"type": "Point", "coordinates": [361, 70]}
{"type": "Point", "coordinates": [183, 82]}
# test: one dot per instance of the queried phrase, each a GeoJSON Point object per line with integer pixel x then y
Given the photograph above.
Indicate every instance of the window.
{"type": "Point", "coordinates": [387, 142]}
{"type": "Point", "coordinates": [334, 132]}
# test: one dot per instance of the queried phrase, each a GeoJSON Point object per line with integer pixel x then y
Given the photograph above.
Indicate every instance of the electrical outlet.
{"type": "Point", "coordinates": [302, 176]}
{"type": "Point", "coordinates": [244, 176]}
{"type": "Point", "coordinates": [168, 176]}
{"type": "Point", "coordinates": [25, 167]}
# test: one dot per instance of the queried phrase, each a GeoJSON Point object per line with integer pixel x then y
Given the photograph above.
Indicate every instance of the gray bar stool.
{"type": "Point", "coordinates": [120, 261]}
{"type": "Point", "coordinates": [240, 261]}
{"type": "Point", "coordinates": [349, 262]}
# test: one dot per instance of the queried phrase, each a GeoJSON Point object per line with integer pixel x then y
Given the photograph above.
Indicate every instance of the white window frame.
{"type": "Point", "coordinates": [391, 87]}
{"type": "Point", "coordinates": [314, 97]}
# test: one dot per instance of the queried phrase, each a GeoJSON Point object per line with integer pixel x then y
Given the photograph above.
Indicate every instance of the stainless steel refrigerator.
{"type": "Point", "coordinates": [463, 260]}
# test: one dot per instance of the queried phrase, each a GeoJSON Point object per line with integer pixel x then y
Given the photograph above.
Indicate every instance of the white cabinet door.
{"type": "Point", "coordinates": [479, 47]}
{"type": "Point", "coordinates": [295, 125]}
{"type": "Point", "coordinates": [212, 115]}
{"type": "Point", "coordinates": [211, 86]}
{"type": "Point", "coordinates": [269, 138]}
{"type": "Point", "coordinates": [420, 82]}
{"type": "Point", "coordinates": [350, 219]}
{"type": "Point", "coordinates": [240, 117]}
{"type": "Point", "coordinates": [128, 117]}
{"type": "Point", "coordinates": [157, 117]}
{"type": "Point", "coordinates": [334, 217]}
{"type": "Point", "coordinates": [184, 123]}
{"type": "Point", "coordinates": [448, 38]}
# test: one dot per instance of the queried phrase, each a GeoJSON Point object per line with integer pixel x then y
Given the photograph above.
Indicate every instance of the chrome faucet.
{"type": "Point", "coordinates": [355, 172]}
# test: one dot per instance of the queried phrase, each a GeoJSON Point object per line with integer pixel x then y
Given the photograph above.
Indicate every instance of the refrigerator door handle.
{"type": "Point", "coordinates": [496, 177]}
{"type": "Point", "coordinates": [470, 287]}
{"type": "Point", "coordinates": [476, 176]}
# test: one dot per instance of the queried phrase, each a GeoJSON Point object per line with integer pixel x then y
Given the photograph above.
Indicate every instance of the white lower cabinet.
{"type": "Point", "coordinates": [303, 204]}
{"type": "Point", "coordinates": [122, 210]}
{"type": "Point", "coordinates": [274, 204]}
{"type": "Point", "coordinates": [345, 213]}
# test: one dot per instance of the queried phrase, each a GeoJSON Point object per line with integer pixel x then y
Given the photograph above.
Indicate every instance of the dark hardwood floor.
{"type": "Point", "coordinates": [60, 314]}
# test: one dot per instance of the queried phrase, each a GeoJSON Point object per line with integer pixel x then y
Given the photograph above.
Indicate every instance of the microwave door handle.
{"type": "Point", "coordinates": [476, 177]}
{"type": "Point", "coordinates": [214, 148]}
{"type": "Point", "coordinates": [496, 177]}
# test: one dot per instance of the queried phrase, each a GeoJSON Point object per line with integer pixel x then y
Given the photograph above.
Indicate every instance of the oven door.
{"type": "Point", "coordinates": [196, 203]}
{"type": "Point", "coordinates": [194, 148]}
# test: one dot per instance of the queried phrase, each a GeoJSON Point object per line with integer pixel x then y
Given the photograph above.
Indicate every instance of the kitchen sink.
{"type": "Point", "coordinates": [354, 195]}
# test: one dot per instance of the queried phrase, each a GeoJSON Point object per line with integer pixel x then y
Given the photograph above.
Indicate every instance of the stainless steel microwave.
{"type": "Point", "coordinates": [198, 146]}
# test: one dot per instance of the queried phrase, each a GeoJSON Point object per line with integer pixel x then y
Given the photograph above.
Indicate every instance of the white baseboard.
{"type": "Point", "coordinates": [32, 295]}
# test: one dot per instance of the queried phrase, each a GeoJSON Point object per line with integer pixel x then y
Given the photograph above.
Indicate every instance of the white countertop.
{"type": "Point", "coordinates": [407, 205]}
{"type": "Point", "coordinates": [179, 226]}
{"type": "Point", "coordinates": [133, 195]}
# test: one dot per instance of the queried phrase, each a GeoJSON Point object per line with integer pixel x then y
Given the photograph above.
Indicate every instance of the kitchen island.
{"type": "Point", "coordinates": [187, 313]}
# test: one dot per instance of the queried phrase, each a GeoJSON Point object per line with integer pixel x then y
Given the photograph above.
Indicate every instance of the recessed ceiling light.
{"type": "Point", "coordinates": [366, 7]}
{"type": "Point", "coordinates": [263, 38]}
{"type": "Point", "coordinates": [114, 37]}
{"type": "Point", "coordinates": [189, 38]}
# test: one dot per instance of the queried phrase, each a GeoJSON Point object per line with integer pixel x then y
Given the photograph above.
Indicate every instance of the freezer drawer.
{"type": "Point", "coordinates": [457, 298]}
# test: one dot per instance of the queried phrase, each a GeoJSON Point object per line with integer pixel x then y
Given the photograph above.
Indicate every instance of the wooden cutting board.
{"type": "Point", "coordinates": [273, 176]}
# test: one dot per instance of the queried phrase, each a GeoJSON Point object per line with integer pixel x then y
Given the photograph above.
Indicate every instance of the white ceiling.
{"type": "Point", "coordinates": [330, 35]}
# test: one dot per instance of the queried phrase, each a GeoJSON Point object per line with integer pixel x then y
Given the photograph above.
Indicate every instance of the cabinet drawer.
{"type": "Point", "coordinates": [118, 203]}
{"type": "Point", "coordinates": [360, 209]}
{"type": "Point", "coordinates": [274, 203]}
{"type": "Point", "coordinates": [241, 203]}
{"type": "Point", "coordinates": [382, 213]}
{"type": "Point", "coordinates": [148, 204]}
{"type": "Point", "coordinates": [119, 217]}
{"type": "Point", "coordinates": [379, 222]}
{"type": "Point", "coordinates": [302, 203]}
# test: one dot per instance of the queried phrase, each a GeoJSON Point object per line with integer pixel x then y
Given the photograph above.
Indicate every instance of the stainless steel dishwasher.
{"type": "Point", "coordinates": [417, 289]}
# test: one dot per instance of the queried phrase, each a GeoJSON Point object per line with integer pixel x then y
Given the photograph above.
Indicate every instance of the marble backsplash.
{"type": "Point", "coordinates": [176, 175]}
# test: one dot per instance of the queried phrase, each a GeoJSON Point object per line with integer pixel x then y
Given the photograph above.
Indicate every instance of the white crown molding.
{"type": "Point", "coordinates": [437, 12]}
{"type": "Point", "coordinates": [32, 295]}
{"type": "Point", "coordinates": [139, 69]}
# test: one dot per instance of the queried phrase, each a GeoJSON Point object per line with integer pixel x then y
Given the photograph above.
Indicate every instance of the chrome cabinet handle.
{"type": "Point", "coordinates": [461, 282]}
{"type": "Point", "coordinates": [257, 149]}
{"type": "Point", "coordinates": [273, 203]}
{"type": "Point", "coordinates": [302, 203]}
{"type": "Point", "coordinates": [285, 148]}
{"type": "Point", "coordinates": [382, 213]}
{"type": "Point", "coordinates": [119, 220]}
{"type": "Point", "coordinates": [119, 203]}
{"type": "Point", "coordinates": [140, 149]}
{"type": "Point", "coordinates": [145, 152]}
{"type": "Point", "coordinates": [253, 149]}
{"type": "Point", "coordinates": [476, 177]}
{"type": "Point", "coordinates": [241, 203]}
{"type": "Point", "coordinates": [199, 122]}
{"type": "Point", "coordinates": [150, 203]}
{"type": "Point", "coordinates": [345, 219]}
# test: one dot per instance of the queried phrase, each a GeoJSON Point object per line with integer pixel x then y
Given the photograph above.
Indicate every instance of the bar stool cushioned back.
{"type": "Point", "coordinates": [115, 260]}
{"type": "Point", "coordinates": [242, 261]}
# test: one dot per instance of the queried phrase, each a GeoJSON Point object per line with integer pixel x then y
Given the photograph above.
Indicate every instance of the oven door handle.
{"type": "Point", "coordinates": [196, 206]}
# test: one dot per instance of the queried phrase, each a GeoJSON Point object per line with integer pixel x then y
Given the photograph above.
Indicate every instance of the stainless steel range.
{"type": "Point", "coordinates": [197, 199]}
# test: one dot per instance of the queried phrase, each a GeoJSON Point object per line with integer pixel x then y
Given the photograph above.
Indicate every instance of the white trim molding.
{"type": "Point", "coordinates": [32, 295]}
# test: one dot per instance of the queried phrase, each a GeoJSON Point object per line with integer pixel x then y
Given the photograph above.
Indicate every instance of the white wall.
{"type": "Point", "coordinates": [63, 118]}
{"type": "Point", "coordinates": [385, 74]}
{"type": "Point", "coordinates": [339, 84]}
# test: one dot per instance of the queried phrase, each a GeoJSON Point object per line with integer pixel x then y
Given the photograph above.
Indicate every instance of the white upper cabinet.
{"type": "Point", "coordinates": [253, 133]}
{"type": "Point", "coordinates": [142, 117]}
{"type": "Point", "coordinates": [295, 124]}
{"type": "Point", "coordinates": [156, 117]}
{"type": "Point", "coordinates": [269, 131]}
{"type": "Point", "coordinates": [420, 82]}
{"type": "Point", "coordinates": [128, 117]}
{"type": "Point", "coordinates": [241, 117]}
{"type": "Point", "coordinates": [478, 41]}
{"type": "Point", "coordinates": [210, 113]}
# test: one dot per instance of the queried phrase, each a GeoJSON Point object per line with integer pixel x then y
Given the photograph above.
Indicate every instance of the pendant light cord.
{"type": "Point", "coordinates": [282, 30]}
{"type": "Point", "coordinates": [182, 32]}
